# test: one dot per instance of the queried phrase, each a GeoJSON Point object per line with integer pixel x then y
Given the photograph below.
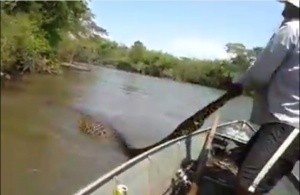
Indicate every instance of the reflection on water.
{"type": "Point", "coordinates": [42, 151]}
{"type": "Point", "coordinates": [130, 85]}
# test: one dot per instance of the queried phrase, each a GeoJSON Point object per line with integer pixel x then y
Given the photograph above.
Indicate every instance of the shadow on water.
{"type": "Point", "coordinates": [42, 151]}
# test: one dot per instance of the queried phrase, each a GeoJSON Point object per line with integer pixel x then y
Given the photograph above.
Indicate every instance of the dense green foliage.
{"type": "Point", "coordinates": [31, 32]}
{"type": "Point", "coordinates": [36, 36]}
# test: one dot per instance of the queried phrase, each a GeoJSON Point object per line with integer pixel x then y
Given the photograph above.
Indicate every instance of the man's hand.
{"type": "Point", "coordinates": [235, 88]}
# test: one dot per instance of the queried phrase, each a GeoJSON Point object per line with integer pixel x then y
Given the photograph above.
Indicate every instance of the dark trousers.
{"type": "Point", "coordinates": [270, 154]}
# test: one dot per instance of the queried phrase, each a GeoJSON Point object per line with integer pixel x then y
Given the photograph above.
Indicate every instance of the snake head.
{"type": "Point", "coordinates": [83, 124]}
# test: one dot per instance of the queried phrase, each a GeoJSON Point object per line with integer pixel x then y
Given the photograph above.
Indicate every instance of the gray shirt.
{"type": "Point", "coordinates": [275, 78]}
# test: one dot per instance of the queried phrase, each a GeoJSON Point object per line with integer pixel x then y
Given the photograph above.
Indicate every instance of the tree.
{"type": "Point", "coordinates": [33, 31]}
{"type": "Point", "coordinates": [235, 49]}
{"type": "Point", "coordinates": [57, 16]}
{"type": "Point", "coordinates": [137, 51]}
{"type": "Point", "coordinates": [241, 57]}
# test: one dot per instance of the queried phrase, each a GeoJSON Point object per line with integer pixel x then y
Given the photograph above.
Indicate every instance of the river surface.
{"type": "Point", "coordinates": [42, 151]}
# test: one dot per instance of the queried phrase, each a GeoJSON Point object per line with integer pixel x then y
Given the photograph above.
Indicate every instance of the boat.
{"type": "Point", "coordinates": [157, 171]}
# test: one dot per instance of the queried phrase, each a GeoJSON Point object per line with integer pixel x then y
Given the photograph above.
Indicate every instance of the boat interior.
{"type": "Point", "coordinates": [220, 172]}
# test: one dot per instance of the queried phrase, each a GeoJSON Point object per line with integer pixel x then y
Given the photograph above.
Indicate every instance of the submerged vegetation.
{"type": "Point", "coordinates": [38, 35]}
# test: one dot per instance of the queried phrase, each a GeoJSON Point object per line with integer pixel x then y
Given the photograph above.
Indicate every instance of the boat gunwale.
{"type": "Point", "coordinates": [91, 187]}
{"type": "Point", "coordinates": [131, 162]}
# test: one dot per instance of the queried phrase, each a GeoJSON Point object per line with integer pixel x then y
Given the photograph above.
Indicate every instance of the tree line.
{"type": "Point", "coordinates": [38, 35]}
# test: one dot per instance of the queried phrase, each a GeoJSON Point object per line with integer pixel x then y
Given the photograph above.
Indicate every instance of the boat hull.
{"type": "Point", "coordinates": [151, 172]}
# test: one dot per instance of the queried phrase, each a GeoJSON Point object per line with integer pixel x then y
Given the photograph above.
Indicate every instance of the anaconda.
{"type": "Point", "coordinates": [94, 128]}
{"type": "Point", "coordinates": [99, 129]}
{"type": "Point", "coordinates": [191, 124]}
{"type": "Point", "coordinates": [194, 122]}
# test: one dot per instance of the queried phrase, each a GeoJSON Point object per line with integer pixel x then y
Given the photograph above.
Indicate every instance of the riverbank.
{"type": "Point", "coordinates": [173, 74]}
{"type": "Point", "coordinates": [212, 82]}
{"type": "Point", "coordinates": [80, 66]}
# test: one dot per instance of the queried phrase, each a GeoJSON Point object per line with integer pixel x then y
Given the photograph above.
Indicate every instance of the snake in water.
{"type": "Point", "coordinates": [100, 129]}
{"type": "Point", "coordinates": [96, 128]}
{"type": "Point", "coordinates": [191, 124]}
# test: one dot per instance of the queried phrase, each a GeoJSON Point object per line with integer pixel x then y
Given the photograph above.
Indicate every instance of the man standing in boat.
{"type": "Point", "coordinates": [273, 151]}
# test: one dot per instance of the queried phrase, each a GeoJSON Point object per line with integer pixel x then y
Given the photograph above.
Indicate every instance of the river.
{"type": "Point", "coordinates": [42, 151]}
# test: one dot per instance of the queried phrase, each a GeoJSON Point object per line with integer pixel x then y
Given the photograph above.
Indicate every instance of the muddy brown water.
{"type": "Point", "coordinates": [42, 151]}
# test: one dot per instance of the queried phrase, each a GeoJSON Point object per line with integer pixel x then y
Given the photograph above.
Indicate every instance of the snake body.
{"type": "Point", "coordinates": [95, 128]}
{"type": "Point", "coordinates": [191, 124]}
{"type": "Point", "coordinates": [99, 129]}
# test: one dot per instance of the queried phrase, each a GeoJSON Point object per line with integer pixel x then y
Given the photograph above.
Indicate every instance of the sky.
{"type": "Point", "coordinates": [197, 29]}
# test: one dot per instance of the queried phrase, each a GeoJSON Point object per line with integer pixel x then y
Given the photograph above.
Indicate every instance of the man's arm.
{"type": "Point", "coordinates": [259, 74]}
